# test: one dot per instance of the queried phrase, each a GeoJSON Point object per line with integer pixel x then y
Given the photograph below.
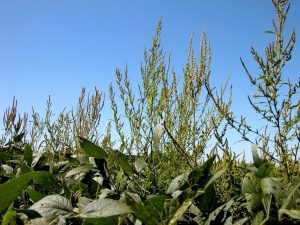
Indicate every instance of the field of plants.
{"type": "Point", "coordinates": [164, 157]}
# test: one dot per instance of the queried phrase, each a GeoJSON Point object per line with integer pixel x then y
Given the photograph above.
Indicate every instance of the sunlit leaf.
{"type": "Point", "coordinates": [52, 206]}
{"type": "Point", "coordinates": [91, 149]}
{"type": "Point", "coordinates": [13, 188]}
{"type": "Point", "coordinates": [177, 183]}
{"type": "Point", "coordinates": [139, 164]}
{"type": "Point", "coordinates": [8, 217]}
{"type": "Point", "coordinates": [80, 169]}
{"type": "Point", "coordinates": [104, 208]}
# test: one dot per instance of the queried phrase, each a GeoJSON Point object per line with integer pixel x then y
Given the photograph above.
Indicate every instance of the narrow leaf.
{"type": "Point", "coordinates": [294, 213]}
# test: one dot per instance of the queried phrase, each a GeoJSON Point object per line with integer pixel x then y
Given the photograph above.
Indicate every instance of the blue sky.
{"type": "Point", "coordinates": [56, 47]}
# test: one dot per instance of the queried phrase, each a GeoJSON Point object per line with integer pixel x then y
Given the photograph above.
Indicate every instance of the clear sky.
{"type": "Point", "coordinates": [56, 47]}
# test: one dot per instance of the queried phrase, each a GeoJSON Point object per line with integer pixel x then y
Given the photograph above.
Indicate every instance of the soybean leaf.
{"type": "Point", "coordinates": [250, 184]}
{"type": "Point", "coordinates": [80, 169]}
{"type": "Point", "coordinates": [178, 182]}
{"type": "Point", "coordinates": [101, 221]}
{"type": "Point", "coordinates": [91, 149]}
{"type": "Point", "coordinates": [13, 188]}
{"type": "Point", "coordinates": [52, 206]}
{"type": "Point", "coordinates": [8, 217]}
{"type": "Point", "coordinates": [140, 211]}
{"type": "Point", "coordinates": [264, 170]}
{"type": "Point", "coordinates": [124, 163]}
{"type": "Point", "coordinates": [28, 154]}
{"type": "Point", "coordinates": [139, 164]}
{"type": "Point", "coordinates": [155, 204]}
{"type": "Point", "coordinates": [104, 208]}
{"type": "Point", "coordinates": [259, 217]}
{"type": "Point", "coordinates": [34, 195]}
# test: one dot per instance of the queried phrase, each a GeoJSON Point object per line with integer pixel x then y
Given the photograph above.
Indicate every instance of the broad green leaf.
{"type": "Point", "coordinates": [276, 187]}
{"type": "Point", "coordinates": [80, 169]}
{"type": "Point", "coordinates": [140, 211]}
{"type": "Point", "coordinates": [101, 221]}
{"type": "Point", "coordinates": [35, 196]}
{"type": "Point", "coordinates": [178, 182]}
{"type": "Point", "coordinates": [253, 201]}
{"type": "Point", "coordinates": [271, 185]}
{"type": "Point", "coordinates": [155, 204]}
{"type": "Point", "coordinates": [123, 161]}
{"type": "Point", "coordinates": [4, 155]}
{"type": "Point", "coordinates": [47, 182]}
{"type": "Point", "coordinates": [13, 188]}
{"type": "Point", "coordinates": [25, 168]}
{"type": "Point", "coordinates": [104, 208]}
{"type": "Point", "coordinates": [259, 217]}
{"type": "Point", "coordinates": [91, 149]}
{"type": "Point", "coordinates": [264, 170]}
{"type": "Point", "coordinates": [267, 200]}
{"type": "Point", "coordinates": [250, 184]}
{"type": "Point", "coordinates": [52, 206]}
{"type": "Point", "coordinates": [28, 152]}
{"type": "Point", "coordinates": [8, 217]}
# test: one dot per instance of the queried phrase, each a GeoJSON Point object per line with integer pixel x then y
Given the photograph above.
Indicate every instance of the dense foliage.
{"type": "Point", "coordinates": [164, 158]}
